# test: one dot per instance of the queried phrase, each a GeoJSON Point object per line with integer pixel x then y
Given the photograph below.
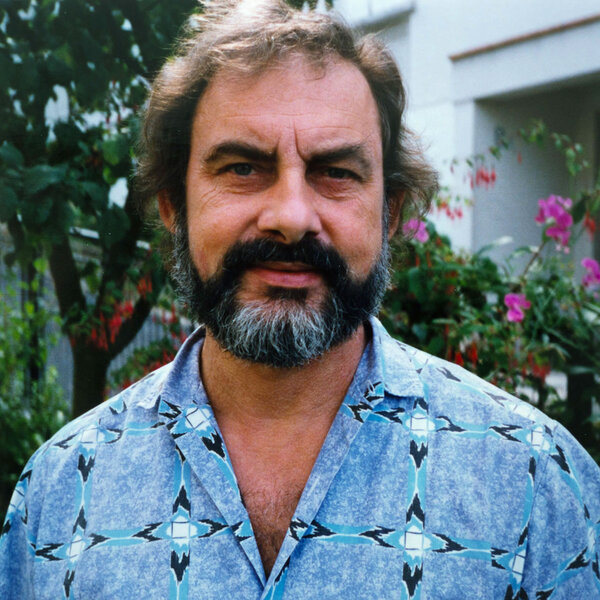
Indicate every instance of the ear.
{"type": "Point", "coordinates": [395, 203]}
{"type": "Point", "coordinates": [167, 211]}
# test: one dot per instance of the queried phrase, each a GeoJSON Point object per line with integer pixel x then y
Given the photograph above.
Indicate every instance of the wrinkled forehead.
{"type": "Point", "coordinates": [306, 70]}
{"type": "Point", "coordinates": [331, 101]}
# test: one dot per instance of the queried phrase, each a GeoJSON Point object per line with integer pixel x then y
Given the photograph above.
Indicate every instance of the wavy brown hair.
{"type": "Point", "coordinates": [246, 37]}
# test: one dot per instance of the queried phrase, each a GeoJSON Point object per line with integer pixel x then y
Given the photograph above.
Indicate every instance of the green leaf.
{"type": "Point", "coordinates": [10, 155]}
{"type": "Point", "coordinates": [29, 309]}
{"type": "Point", "coordinates": [97, 194]}
{"type": "Point", "coordinates": [40, 265]}
{"type": "Point", "coordinates": [579, 210]}
{"type": "Point", "coordinates": [6, 70]}
{"type": "Point", "coordinates": [40, 177]}
{"type": "Point", "coordinates": [9, 202]}
{"type": "Point", "coordinates": [58, 71]}
{"type": "Point", "coordinates": [37, 210]}
{"type": "Point", "coordinates": [115, 150]}
{"type": "Point", "coordinates": [67, 136]}
{"type": "Point", "coordinates": [113, 224]}
{"type": "Point", "coordinates": [436, 346]}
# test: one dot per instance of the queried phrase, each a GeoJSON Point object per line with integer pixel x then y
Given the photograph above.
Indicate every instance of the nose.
{"type": "Point", "coordinates": [290, 212]}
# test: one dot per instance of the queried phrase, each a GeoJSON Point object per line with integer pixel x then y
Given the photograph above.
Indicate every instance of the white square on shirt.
{"type": "Point", "coordinates": [537, 438]}
{"type": "Point", "coordinates": [195, 418]}
{"type": "Point", "coordinates": [180, 528]}
{"type": "Point", "coordinates": [76, 547]}
{"type": "Point", "coordinates": [17, 500]}
{"type": "Point", "coordinates": [518, 562]}
{"type": "Point", "coordinates": [89, 437]}
{"type": "Point", "coordinates": [419, 423]}
{"type": "Point", "coordinates": [413, 540]}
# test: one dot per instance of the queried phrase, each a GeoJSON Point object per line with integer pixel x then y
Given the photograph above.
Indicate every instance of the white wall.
{"type": "Point", "coordinates": [456, 104]}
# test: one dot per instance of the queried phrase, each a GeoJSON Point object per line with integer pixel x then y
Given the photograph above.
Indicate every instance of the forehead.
{"type": "Point", "coordinates": [328, 103]}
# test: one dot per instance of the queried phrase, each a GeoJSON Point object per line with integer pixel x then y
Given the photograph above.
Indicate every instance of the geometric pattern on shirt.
{"type": "Point", "coordinates": [411, 537]}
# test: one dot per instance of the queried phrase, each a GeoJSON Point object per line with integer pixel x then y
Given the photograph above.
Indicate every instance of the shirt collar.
{"type": "Point", "coordinates": [400, 375]}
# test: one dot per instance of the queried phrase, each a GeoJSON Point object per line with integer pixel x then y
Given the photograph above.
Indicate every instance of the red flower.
{"type": "Point", "coordinates": [458, 359]}
{"type": "Point", "coordinates": [472, 354]}
{"type": "Point", "coordinates": [590, 225]}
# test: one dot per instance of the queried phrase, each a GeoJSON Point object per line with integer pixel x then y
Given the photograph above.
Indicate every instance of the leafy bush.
{"type": "Point", "coordinates": [32, 404]}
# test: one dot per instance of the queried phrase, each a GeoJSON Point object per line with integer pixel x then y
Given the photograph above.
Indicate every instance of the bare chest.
{"type": "Point", "coordinates": [271, 500]}
{"type": "Point", "coordinates": [271, 508]}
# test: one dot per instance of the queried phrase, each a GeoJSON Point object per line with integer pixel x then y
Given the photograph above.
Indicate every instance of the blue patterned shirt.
{"type": "Point", "coordinates": [431, 484]}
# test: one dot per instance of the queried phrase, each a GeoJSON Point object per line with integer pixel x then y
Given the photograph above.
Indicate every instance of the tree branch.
{"type": "Point", "coordinates": [67, 284]}
{"type": "Point", "coordinates": [130, 327]}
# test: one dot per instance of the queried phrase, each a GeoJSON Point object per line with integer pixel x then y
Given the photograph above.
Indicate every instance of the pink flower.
{"type": "Point", "coordinates": [516, 303]}
{"type": "Point", "coordinates": [554, 213]}
{"type": "Point", "coordinates": [592, 277]}
{"type": "Point", "coordinates": [417, 229]}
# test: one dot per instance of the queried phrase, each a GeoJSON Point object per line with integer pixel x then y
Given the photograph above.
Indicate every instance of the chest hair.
{"type": "Point", "coordinates": [271, 507]}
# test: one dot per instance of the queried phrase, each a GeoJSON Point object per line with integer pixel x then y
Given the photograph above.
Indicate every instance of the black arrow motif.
{"type": "Point", "coordinates": [415, 509]}
{"type": "Point", "coordinates": [411, 579]}
{"type": "Point", "coordinates": [179, 565]}
{"type": "Point", "coordinates": [46, 551]}
{"type": "Point", "coordinates": [377, 534]}
{"type": "Point", "coordinates": [561, 459]}
{"type": "Point", "coordinates": [447, 374]}
{"type": "Point", "coordinates": [85, 466]}
{"type": "Point", "coordinates": [68, 582]}
{"type": "Point", "coordinates": [147, 532]}
{"type": "Point", "coordinates": [418, 453]}
{"type": "Point", "coordinates": [449, 545]}
{"type": "Point", "coordinates": [214, 443]}
{"type": "Point", "coordinates": [319, 531]}
{"type": "Point", "coordinates": [81, 522]}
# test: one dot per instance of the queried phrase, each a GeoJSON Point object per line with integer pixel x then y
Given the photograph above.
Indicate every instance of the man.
{"type": "Point", "coordinates": [293, 449]}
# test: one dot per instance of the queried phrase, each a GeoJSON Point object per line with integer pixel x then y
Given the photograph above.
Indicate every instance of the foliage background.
{"type": "Point", "coordinates": [60, 219]}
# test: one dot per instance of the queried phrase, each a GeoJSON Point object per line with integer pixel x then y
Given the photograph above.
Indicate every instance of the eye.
{"type": "Point", "coordinates": [241, 169]}
{"type": "Point", "coordinates": [339, 173]}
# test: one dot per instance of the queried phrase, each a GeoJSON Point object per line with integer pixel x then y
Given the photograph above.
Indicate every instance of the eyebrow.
{"type": "Point", "coordinates": [234, 148]}
{"type": "Point", "coordinates": [355, 152]}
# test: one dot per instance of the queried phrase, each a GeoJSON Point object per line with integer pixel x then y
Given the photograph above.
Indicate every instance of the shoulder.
{"type": "Point", "coordinates": [141, 397]}
{"type": "Point", "coordinates": [62, 453]}
{"type": "Point", "coordinates": [456, 392]}
{"type": "Point", "coordinates": [468, 407]}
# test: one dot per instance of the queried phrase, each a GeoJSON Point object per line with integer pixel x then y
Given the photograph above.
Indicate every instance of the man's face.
{"type": "Point", "coordinates": [284, 208]}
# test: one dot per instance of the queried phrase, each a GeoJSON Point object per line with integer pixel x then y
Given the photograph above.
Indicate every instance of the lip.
{"type": "Point", "coordinates": [284, 274]}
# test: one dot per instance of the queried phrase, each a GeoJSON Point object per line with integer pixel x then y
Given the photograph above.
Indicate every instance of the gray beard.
{"type": "Point", "coordinates": [284, 330]}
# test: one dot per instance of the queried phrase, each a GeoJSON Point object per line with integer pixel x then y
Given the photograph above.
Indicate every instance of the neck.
{"type": "Point", "coordinates": [242, 391]}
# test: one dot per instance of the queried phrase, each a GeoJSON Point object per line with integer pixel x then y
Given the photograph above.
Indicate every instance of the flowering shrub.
{"type": "Point", "coordinates": [169, 316]}
{"type": "Point", "coordinates": [592, 278]}
{"type": "Point", "coordinates": [513, 329]}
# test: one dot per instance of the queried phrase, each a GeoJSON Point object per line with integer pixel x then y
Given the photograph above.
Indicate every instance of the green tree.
{"type": "Point", "coordinates": [55, 178]}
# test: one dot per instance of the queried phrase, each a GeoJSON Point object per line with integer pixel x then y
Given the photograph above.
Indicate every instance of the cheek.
{"type": "Point", "coordinates": [199, 253]}
{"type": "Point", "coordinates": [359, 236]}
{"type": "Point", "coordinates": [212, 233]}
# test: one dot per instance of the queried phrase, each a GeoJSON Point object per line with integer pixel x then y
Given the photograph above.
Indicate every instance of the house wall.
{"type": "Point", "coordinates": [457, 101]}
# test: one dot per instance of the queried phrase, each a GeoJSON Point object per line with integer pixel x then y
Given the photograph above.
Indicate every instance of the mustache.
{"type": "Point", "coordinates": [308, 251]}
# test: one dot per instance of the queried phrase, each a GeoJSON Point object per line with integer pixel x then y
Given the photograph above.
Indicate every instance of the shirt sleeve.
{"type": "Point", "coordinates": [17, 550]}
{"type": "Point", "coordinates": [562, 560]}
